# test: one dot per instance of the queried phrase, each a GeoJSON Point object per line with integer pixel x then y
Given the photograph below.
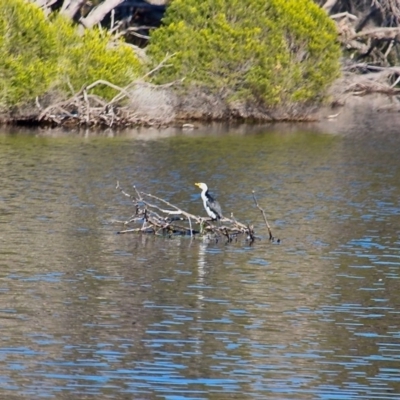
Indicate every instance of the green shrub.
{"type": "Point", "coordinates": [84, 59]}
{"type": "Point", "coordinates": [28, 59]}
{"type": "Point", "coordinates": [273, 52]}
{"type": "Point", "coordinates": [37, 55]}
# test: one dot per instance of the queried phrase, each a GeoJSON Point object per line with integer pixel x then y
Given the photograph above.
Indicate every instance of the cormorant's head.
{"type": "Point", "coordinates": [202, 186]}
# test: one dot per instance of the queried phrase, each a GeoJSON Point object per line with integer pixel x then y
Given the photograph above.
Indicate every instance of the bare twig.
{"type": "Point", "coordinates": [177, 209]}
{"type": "Point", "coordinates": [379, 33]}
{"type": "Point", "coordinates": [159, 66]}
{"type": "Point", "coordinates": [111, 85]}
{"type": "Point", "coordinates": [344, 14]}
{"type": "Point", "coordinates": [123, 192]}
{"type": "Point", "coordinates": [263, 214]}
{"type": "Point", "coordinates": [133, 30]}
{"type": "Point", "coordinates": [85, 98]}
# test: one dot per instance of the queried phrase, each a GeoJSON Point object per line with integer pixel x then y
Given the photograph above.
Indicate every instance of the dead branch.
{"type": "Point", "coordinates": [369, 32]}
{"type": "Point", "coordinates": [364, 67]}
{"type": "Point", "coordinates": [379, 33]}
{"type": "Point", "coordinates": [169, 212]}
{"type": "Point", "coordinates": [71, 7]}
{"type": "Point", "coordinates": [45, 5]}
{"type": "Point", "coordinates": [373, 79]}
{"type": "Point", "coordinates": [99, 12]}
{"type": "Point", "coordinates": [263, 214]}
{"type": "Point", "coordinates": [329, 5]}
{"type": "Point", "coordinates": [133, 30]}
{"type": "Point", "coordinates": [159, 66]}
{"type": "Point", "coordinates": [364, 88]}
{"type": "Point", "coordinates": [109, 84]}
{"type": "Point", "coordinates": [344, 14]}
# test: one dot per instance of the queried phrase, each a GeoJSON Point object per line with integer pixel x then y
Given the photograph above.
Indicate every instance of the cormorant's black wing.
{"type": "Point", "coordinates": [213, 205]}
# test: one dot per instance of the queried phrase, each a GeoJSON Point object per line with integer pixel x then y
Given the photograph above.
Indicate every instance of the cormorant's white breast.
{"type": "Point", "coordinates": [211, 206]}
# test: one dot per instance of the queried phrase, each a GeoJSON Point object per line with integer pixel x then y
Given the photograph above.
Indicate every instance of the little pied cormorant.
{"type": "Point", "coordinates": [211, 206]}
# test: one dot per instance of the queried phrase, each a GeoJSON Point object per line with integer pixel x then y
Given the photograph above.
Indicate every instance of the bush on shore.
{"type": "Point", "coordinates": [274, 53]}
{"type": "Point", "coordinates": [240, 58]}
{"type": "Point", "coordinates": [39, 55]}
{"type": "Point", "coordinates": [27, 52]}
{"type": "Point", "coordinates": [83, 59]}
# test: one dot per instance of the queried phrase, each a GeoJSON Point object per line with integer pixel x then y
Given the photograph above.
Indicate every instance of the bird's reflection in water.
{"type": "Point", "coordinates": [201, 268]}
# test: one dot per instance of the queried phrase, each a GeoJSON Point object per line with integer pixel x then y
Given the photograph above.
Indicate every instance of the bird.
{"type": "Point", "coordinates": [211, 206]}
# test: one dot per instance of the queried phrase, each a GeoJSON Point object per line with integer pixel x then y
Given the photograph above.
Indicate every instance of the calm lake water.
{"type": "Point", "coordinates": [89, 314]}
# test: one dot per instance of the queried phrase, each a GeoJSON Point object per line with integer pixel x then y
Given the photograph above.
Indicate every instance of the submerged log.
{"type": "Point", "coordinates": [154, 215]}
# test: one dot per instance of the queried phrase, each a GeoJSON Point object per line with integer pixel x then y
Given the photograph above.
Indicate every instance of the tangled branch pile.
{"type": "Point", "coordinates": [155, 219]}
{"type": "Point", "coordinates": [369, 31]}
{"type": "Point", "coordinates": [89, 110]}
{"type": "Point", "coordinates": [139, 102]}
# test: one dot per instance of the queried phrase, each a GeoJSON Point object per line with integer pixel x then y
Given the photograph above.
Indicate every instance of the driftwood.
{"type": "Point", "coordinates": [369, 32]}
{"type": "Point", "coordinates": [155, 215]}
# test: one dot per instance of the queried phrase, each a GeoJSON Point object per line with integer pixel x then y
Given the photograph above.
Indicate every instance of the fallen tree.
{"type": "Point", "coordinates": [154, 215]}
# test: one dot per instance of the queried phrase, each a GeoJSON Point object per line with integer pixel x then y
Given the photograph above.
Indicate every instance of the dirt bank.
{"type": "Point", "coordinates": [148, 105]}
{"type": "Point", "coordinates": [354, 95]}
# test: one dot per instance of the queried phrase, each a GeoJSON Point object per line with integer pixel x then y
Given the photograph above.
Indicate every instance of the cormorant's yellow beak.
{"type": "Point", "coordinates": [197, 184]}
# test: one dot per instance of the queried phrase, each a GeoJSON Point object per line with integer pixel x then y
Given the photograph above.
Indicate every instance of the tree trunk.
{"type": "Point", "coordinates": [99, 12]}
{"type": "Point", "coordinates": [71, 7]}
{"type": "Point", "coordinates": [329, 5]}
{"type": "Point", "coordinates": [45, 5]}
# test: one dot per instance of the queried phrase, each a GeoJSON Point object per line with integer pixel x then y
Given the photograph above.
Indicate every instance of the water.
{"type": "Point", "coordinates": [86, 313]}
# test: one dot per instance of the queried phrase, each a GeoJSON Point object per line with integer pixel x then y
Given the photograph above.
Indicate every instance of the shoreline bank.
{"type": "Point", "coordinates": [160, 108]}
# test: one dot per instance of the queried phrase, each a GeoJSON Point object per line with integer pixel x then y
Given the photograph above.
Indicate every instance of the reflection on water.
{"type": "Point", "coordinates": [88, 313]}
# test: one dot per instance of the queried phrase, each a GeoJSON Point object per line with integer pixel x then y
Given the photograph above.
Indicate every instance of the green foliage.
{"type": "Point", "coordinates": [38, 54]}
{"type": "Point", "coordinates": [273, 52]}
{"type": "Point", "coordinates": [92, 56]}
{"type": "Point", "coordinates": [27, 52]}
